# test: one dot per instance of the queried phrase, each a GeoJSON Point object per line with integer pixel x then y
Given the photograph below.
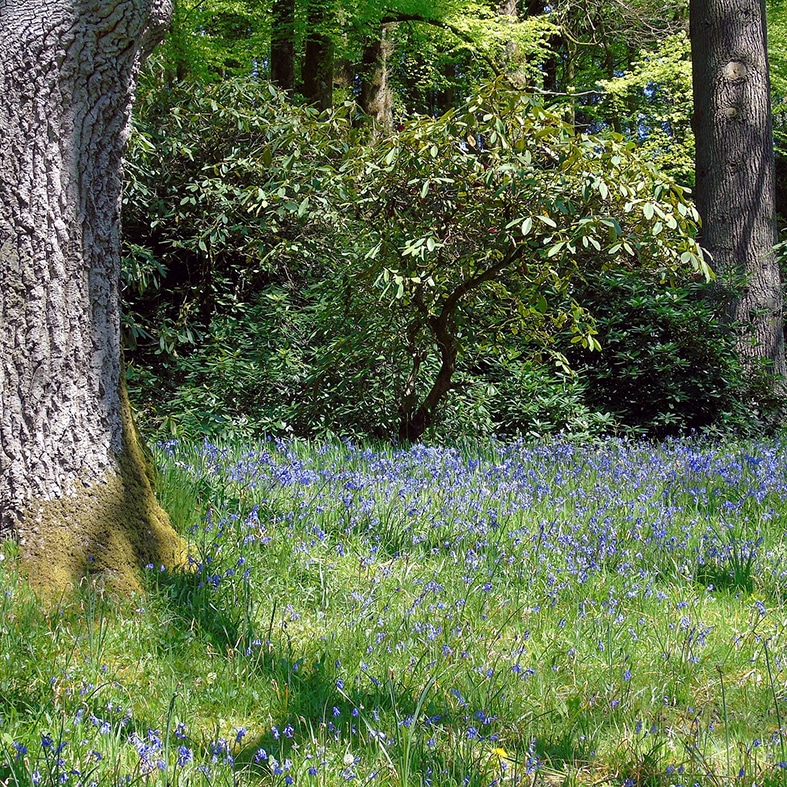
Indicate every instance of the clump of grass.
{"type": "Point", "coordinates": [553, 613]}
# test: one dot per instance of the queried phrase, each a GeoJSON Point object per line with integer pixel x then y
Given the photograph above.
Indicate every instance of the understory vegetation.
{"type": "Point", "coordinates": [606, 613]}
{"type": "Point", "coordinates": [492, 271]}
{"type": "Point", "coordinates": [423, 220]}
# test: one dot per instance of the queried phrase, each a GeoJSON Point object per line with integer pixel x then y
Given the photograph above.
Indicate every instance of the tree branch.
{"type": "Point", "coordinates": [393, 17]}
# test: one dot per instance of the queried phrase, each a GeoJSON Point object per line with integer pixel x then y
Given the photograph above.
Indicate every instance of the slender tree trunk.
{"type": "Point", "coordinates": [735, 169]}
{"type": "Point", "coordinates": [512, 59]}
{"type": "Point", "coordinates": [376, 98]}
{"type": "Point", "coordinates": [283, 44]}
{"type": "Point", "coordinates": [75, 484]}
{"type": "Point", "coordinates": [415, 420]}
{"type": "Point", "coordinates": [317, 69]}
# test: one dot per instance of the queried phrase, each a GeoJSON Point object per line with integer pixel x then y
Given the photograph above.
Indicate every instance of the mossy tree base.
{"type": "Point", "coordinates": [75, 484]}
{"type": "Point", "coordinates": [110, 529]}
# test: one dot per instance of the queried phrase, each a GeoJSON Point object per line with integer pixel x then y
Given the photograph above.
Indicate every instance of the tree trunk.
{"type": "Point", "coordinates": [75, 485]}
{"type": "Point", "coordinates": [317, 69]}
{"type": "Point", "coordinates": [376, 98]}
{"type": "Point", "coordinates": [735, 169]}
{"type": "Point", "coordinates": [513, 61]}
{"type": "Point", "coordinates": [415, 420]}
{"type": "Point", "coordinates": [283, 44]}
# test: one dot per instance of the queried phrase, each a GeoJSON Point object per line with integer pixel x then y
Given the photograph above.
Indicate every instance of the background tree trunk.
{"type": "Point", "coordinates": [376, 98]}
{"type": "Point", "coordinates": [75, 483]}
{"type": "Point", "coordinates": [317, 68]}
{"type": "Point", "coordinates": [735, 168]}
{"type": "Point", "coordinates": [512, 60]}
{"type": "Point", "coordinates": [283, 44]}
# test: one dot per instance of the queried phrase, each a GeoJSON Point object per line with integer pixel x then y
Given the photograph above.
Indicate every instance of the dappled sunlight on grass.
{"type": "Point", "coordinates": [552, 613]}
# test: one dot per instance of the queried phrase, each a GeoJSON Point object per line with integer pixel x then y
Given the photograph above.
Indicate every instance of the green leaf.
{"type": "Point", "coordinates": [556, 248]}
{"type": "Point", "coordinates": [527, 225]}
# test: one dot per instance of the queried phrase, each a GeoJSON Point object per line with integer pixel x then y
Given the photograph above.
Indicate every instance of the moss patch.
{"type": "Point", "coordinates": [110, 528]}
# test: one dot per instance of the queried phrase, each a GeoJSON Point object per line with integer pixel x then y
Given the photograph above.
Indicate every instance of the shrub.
{"type": "Point", "coordinates": [668, 363]}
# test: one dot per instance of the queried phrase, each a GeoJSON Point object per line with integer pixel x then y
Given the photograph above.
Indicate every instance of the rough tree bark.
{"type": "Point", "coordinates": [512, 60]}
{"type": "Point", "coordinates": [75, 486]}
{"type": "Point", "coordinates": [735, 169]}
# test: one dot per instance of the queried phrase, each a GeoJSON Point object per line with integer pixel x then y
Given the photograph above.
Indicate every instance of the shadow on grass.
{"type": "Point", "coordinates": [191, 599]}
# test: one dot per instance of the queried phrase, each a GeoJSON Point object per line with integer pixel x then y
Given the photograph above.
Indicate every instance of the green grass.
{"type": "Point", "coordinates": [610, 613]}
